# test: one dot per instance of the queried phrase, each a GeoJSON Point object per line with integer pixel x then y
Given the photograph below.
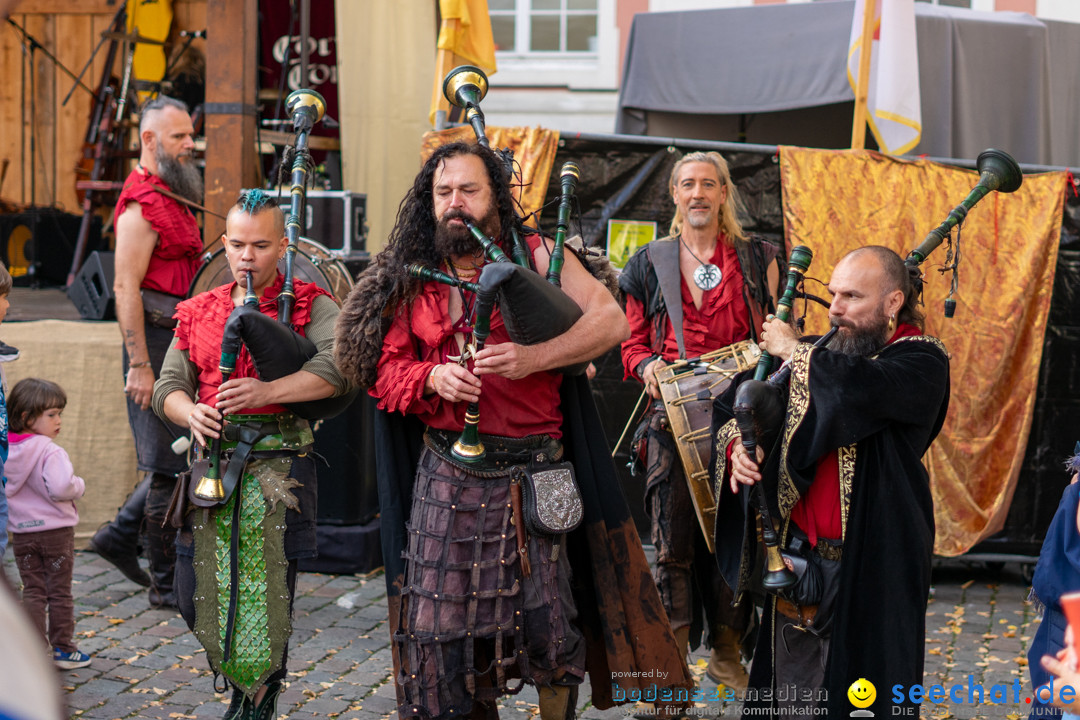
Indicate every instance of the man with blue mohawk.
{"type": "Point", "coordinates": [237, 556]}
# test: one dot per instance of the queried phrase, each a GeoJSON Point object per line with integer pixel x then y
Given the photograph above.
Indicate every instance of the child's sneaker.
{"type": "Point", "coordinates": [8, 353]}
{"type": "Point", "coordinates": [71, 660]}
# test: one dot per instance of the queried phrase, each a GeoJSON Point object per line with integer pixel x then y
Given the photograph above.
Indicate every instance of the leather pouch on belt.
{"type": "Point", "coordinates": [550, 496]}
{"type": "Point", "coordinates": [159, 308]}
{"type": "Point", "coordinates": [178, 503]}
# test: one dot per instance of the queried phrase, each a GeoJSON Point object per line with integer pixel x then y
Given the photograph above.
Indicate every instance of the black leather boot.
{"type": "Point", "coordinates": [118, 541]}
{"type": "Point", "coordinates": [161, 550]}
{"type": "Point", "coordinates": [239, 706]}
{"type": "Point", "coordinates": [267, 707]}
{"type": "Point", "coordinates": [160, 542]}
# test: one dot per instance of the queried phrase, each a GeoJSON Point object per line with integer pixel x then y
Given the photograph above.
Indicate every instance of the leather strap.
{"type": "Point", "coordinates": [184, 201]}
{"type": "Point", "coordinates": [249, 435]}
{"type": "Point", "coordinates": [802, 615]}
{"type": "Point", "coordinates": [664, 254]}
{"type": "Point", "coordinates": [517, 507]}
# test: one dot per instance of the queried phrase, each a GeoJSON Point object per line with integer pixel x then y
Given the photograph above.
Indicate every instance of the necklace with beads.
{"type": "Point", "coordinates": [707, 276]}
{"type": "Point", "coordinates": [464, 323]}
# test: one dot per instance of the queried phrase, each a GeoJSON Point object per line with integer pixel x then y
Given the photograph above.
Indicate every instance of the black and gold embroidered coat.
{"type": "Point", "coordinates": [879, 414]}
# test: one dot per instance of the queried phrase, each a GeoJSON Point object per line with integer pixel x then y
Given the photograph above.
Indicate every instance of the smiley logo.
{"type": "Point", "coordinates": [862, 693]}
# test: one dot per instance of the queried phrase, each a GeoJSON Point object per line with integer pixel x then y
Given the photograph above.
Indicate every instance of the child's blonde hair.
{"type": "Point", "coordinates": [30, 398]}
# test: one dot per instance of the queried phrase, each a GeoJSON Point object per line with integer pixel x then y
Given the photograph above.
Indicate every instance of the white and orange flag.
{"type": "Point", "coordinates": [893, 108]}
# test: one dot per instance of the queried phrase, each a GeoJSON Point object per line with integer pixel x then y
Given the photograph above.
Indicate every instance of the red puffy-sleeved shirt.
{"type": "Point", "coordinates": [175, 259]}
{"type": "Point", "coordinates": [422, 336]}
{"type": "Point", "coordinates": [721, 321]}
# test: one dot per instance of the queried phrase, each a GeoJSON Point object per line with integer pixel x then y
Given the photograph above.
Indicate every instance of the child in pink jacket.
{"type": "Point", "coordinates": [41, 488]}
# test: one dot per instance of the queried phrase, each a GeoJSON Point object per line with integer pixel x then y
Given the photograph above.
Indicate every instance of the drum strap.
{"type": "Point", "coordinates": [664, 254]}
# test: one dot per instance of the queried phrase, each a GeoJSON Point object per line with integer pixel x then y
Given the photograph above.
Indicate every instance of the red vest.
{"type": "Point", "coordinates": [201, 324]}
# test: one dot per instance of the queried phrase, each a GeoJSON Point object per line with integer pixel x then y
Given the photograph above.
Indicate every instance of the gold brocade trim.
{"type": "Point", "coordinates": [845, 458]}
{"type": "Point", "coordinates": [924, 338]}
{"type": "Point", "coordinates": [724, 436]}
{"type": "Point", "coordinates": [798, 405]}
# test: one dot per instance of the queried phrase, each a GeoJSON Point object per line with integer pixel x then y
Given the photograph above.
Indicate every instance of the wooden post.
{"type": "Point", "coordinates": [231, 66]}
{"type": "Point", "coordinates": [862, 83]}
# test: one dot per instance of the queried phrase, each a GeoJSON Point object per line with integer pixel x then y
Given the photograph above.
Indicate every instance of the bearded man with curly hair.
{"type": "Point", "coordinates": [471, 620]}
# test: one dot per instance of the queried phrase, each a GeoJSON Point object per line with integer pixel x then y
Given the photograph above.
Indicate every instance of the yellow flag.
{"type": "Point", "coordinates": [464, 39]}
{"type": "Point", "coordinates": [150, 20]}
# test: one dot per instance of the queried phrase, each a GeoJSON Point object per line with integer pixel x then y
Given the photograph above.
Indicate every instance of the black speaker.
{"type": "Point", "coordinates": [336, 219]}
{"type": "Point", "coordinates": [37, 245]}
{"type": "Point", "coordinates": [91, 291]}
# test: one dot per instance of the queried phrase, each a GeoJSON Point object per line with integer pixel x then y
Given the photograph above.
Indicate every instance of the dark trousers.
{"type": "Point", "coordinates": [686, 574]}
{"type": "Point", "coordinates": [185, 598]}
{"type": "Point", "coordinates": [45, 560]}
{"type": "Point", "coordinates": [800, 658]}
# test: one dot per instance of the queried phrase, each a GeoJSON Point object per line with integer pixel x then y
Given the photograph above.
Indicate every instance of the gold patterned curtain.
{"type": "Point", "coordinates": [534, 150]}
{"type": "Point", "coordinates": [837, 200]}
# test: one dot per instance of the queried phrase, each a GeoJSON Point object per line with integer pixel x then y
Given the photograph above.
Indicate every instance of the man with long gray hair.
{"type": "Point", "coordinates": [158, 243]}
{"type": "Point", "coordinates": [705, 287]}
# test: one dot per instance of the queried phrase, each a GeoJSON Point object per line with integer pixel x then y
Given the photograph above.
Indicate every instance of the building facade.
{"type": "Point", "coordinates": [560, 61]}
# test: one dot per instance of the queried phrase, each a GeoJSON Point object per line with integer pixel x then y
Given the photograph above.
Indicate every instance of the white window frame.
{"type": "Point", "coordinates": [575, 70]}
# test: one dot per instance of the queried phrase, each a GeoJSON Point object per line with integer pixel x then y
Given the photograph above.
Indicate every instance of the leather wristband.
{"type": "Point", "coordinates": [640, 369]}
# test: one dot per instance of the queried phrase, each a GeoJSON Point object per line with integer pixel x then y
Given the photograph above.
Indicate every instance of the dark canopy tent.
{"type": "Point", "coordinates": [776, 74]}
{"type": "Point", "coordinates": [625, 177]}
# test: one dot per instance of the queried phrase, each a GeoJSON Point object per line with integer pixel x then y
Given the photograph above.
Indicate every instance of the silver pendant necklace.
{"type": "Point", "coordinates": [707, 276]}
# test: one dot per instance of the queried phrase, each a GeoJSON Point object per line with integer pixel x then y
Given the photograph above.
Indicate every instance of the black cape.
{"type": "Point", "coordinates": [619, 611]}
{"type": "Point", "coordinates": [880, 414]}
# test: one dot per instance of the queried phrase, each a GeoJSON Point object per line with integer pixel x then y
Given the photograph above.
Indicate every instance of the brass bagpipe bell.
{"type": "Point", "coordinates": [465, 86]}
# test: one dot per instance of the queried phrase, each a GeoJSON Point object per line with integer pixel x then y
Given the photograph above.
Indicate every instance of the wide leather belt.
{"type": "Point", "coordinates": [274, 432]}
{"type": "Point", "coordinates": [802, 615]}
{"type": "Point", "coordinates": [501, 453]}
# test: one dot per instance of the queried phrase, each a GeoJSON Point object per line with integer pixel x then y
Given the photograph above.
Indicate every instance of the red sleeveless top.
{"type": "Point", "coordinates": [175, 259]}
{"type": "Point", "coordinates": [201, 324]}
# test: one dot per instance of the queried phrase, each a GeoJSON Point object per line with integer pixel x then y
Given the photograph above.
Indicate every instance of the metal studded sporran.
{"type": "Point", "coordinates": [550, 497]}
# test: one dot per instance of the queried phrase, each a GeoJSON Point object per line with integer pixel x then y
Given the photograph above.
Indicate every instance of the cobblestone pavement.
{"type": "Point", "coordinates": [147, 665]}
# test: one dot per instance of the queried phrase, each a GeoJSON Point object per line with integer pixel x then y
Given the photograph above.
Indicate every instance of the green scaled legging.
{"type": "Point", "coordinates": [262, 622]}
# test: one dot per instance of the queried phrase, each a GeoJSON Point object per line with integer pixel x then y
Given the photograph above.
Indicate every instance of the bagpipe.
{"type": "Point", "coordinates": [534, 309]}
{"type": "Point", "coordinates": [760, 405]}
{"type": "Point", "coordinates": [275, 348]}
